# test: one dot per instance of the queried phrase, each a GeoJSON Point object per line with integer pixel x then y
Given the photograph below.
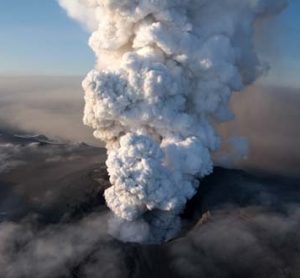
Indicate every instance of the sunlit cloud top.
{"type": "Point", "coordinates": [38, 38]}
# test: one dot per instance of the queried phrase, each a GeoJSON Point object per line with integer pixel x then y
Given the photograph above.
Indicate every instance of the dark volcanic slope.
{"type": "Point", "coordinates": [53, 221]}
{"type": "Point", "coordinates": [48, 178]}
{"type": "Point", "coordinates": [228, 189]}
{"type": "Point", "coordinates": [237, 226]}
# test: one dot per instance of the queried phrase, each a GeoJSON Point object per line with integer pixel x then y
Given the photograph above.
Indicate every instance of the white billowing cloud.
{"type": "Point", "coordinates": [165, 74]}
{"type": "Point", "coordinates": [77, 10]}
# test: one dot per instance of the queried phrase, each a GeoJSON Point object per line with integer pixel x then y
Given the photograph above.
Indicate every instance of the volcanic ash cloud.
{"type": "Point", "coordinates": [165, 73]}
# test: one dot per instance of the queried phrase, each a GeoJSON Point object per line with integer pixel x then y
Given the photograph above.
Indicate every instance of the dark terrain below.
{"type": "Point", "coordinates": [53, 220]}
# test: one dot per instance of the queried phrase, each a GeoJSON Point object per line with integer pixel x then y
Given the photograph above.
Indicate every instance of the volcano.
{"type": "Point", "coordinates": [53, 198]}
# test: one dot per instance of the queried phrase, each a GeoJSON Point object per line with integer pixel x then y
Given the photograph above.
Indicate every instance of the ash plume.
{"type": "Point", "coordinates": [165, 73]}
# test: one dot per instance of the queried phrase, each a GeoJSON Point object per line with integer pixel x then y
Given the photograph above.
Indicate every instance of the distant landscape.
{"type": "Point", "coordinates": [266, 116]}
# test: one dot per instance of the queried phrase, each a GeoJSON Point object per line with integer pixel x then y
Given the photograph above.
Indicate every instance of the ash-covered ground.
{"type": "Point", "coordinates": [54, 220]}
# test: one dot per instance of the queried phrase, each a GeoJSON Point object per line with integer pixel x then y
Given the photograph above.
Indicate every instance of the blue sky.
{"type": "Point", "coordinates": [38, 38]}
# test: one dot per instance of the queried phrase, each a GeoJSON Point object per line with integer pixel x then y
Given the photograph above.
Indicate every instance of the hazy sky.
{"type": "Point", "coordinates": [38, 38]}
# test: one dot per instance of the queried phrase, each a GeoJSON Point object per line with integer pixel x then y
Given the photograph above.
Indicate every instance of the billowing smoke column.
{"type": "Point", "coordinates": [165, 73]}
